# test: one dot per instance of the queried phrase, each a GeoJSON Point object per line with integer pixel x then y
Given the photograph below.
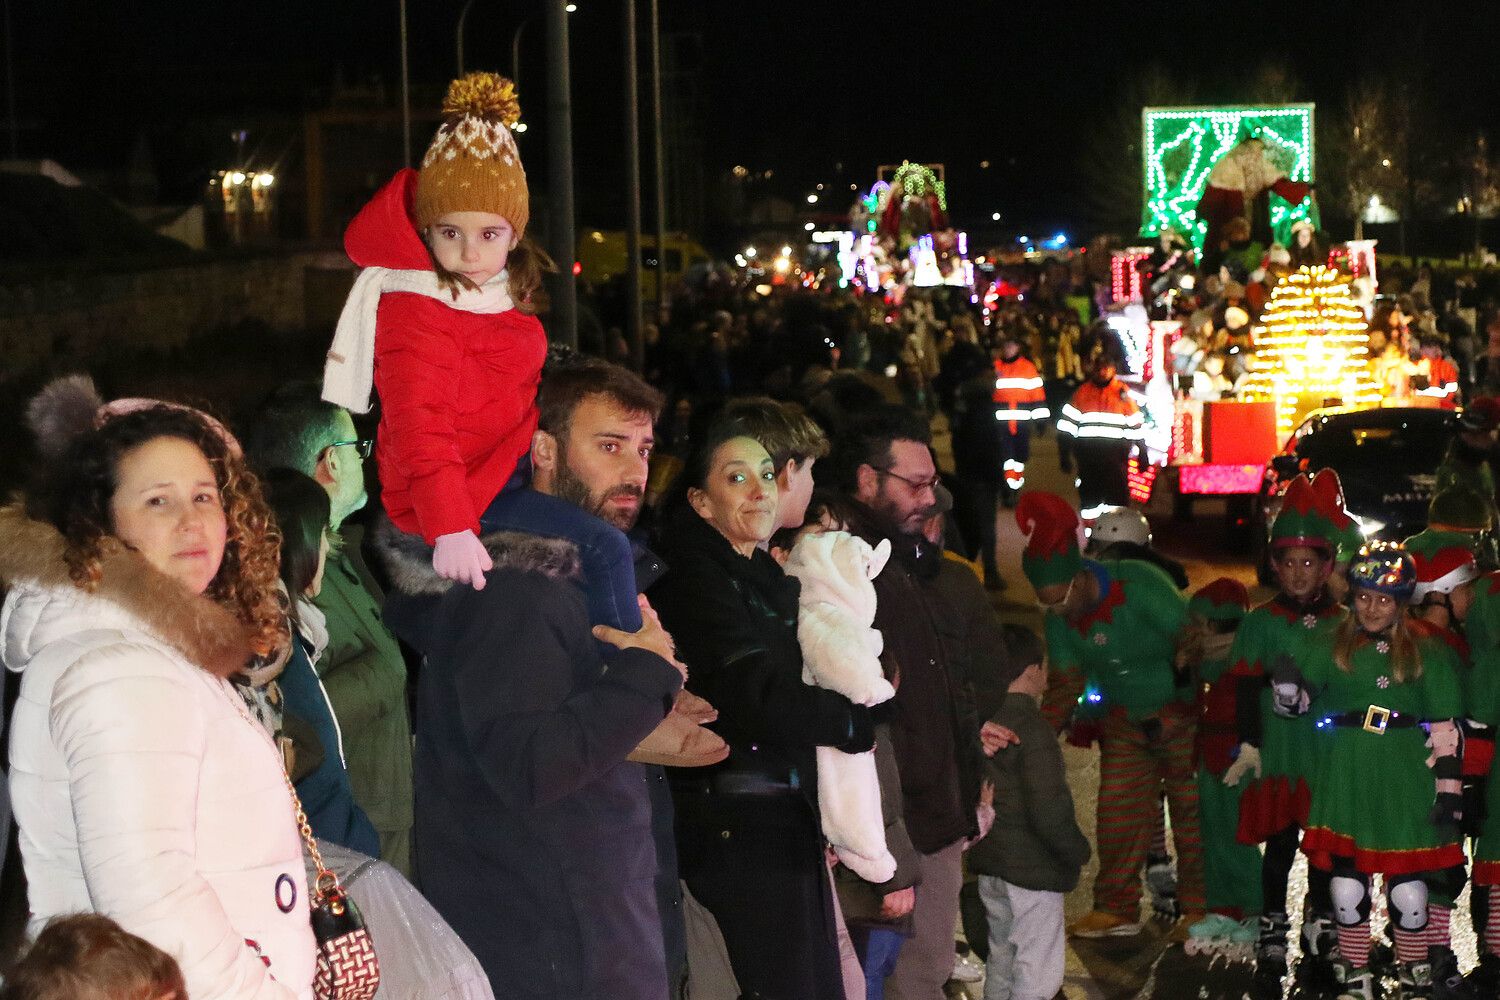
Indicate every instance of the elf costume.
{"type": "Point", "coordinates": [1126, 640]}
{"type": "Point", "coordinates": [1282, 752]}
{"type": "Point", "coordinates": [1483, 628]}
{"type": "Point", "coordinates": [1388, 793]}
{"type": "Point", "coordinates": [1231, 870]}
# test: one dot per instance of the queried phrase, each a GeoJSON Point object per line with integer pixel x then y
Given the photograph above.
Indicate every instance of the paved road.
{"type": "Point", "coordinates": [1145, 966]}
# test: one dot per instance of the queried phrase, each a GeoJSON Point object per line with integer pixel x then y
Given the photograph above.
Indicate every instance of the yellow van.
{"type": "Point", "coordinates": [601, 256]}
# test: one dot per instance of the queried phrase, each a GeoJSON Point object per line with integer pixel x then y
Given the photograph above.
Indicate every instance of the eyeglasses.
{"type": "Point", "coordinates": [364, 446]}
{"type": "Point", "coordinates": [917, 485]}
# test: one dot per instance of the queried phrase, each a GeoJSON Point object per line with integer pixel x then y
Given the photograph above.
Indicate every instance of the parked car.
{"type": "Point", "coordinates": [1386, 458]}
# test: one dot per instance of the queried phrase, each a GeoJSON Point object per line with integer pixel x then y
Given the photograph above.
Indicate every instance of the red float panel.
{"type": "Point", "coordinates": [1239, 433]}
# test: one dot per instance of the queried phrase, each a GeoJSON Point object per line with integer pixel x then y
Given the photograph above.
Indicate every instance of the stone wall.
{"type": "Point", "coordinates": [85, 318]}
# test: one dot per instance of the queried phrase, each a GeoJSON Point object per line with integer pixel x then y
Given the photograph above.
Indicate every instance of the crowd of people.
{"type": "Point", "coordinates": [687, 683]}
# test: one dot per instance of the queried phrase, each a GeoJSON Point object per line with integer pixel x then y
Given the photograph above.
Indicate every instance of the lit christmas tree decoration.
{"type": "Point", "coordinates": [1311, 348]}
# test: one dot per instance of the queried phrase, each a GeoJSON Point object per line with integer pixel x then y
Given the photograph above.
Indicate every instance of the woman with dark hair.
{"type": "Point", "coordinates": [301, 508]}
{"type": "Point", "coordinates": [748, 833]}
{"type": "Point", "coordinates": [142, 580]}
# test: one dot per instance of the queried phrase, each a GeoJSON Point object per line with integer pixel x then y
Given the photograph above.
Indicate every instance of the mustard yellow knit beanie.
{"type": "Point", "coordinates": [473, 164]}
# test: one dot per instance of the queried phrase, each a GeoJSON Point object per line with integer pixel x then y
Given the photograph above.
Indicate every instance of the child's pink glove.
{"type": "Point", "coordinates": [462, 557]}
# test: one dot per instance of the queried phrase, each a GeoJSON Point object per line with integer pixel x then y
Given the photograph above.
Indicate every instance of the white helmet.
{"type": "Point", "coordinates": [1121, 525]}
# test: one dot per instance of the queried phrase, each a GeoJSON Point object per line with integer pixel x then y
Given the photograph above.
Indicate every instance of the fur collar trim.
{"type": "Point", "coordinates": [408, 559]}
{"type": "Point", "coordinates": [205, 632]}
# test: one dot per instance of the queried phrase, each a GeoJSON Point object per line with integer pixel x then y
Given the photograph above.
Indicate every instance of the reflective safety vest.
{"type": "Point", "coordinates": [1107, 414]}
{"type": "Point", "coordinates": [1018, 392]}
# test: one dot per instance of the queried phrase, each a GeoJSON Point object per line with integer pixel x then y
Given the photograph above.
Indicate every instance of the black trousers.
{"type": "Point", "coordinates": [1104, 477]}
{"type": "Point", "coordinates": [757, 864]}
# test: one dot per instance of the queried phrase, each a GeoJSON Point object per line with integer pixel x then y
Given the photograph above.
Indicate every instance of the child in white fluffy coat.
{"type": "Point", "coordinates": [841, 652]}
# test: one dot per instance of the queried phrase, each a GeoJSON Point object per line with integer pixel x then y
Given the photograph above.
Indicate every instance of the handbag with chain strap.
{"type": "Point", "coordinates": [347, 966]}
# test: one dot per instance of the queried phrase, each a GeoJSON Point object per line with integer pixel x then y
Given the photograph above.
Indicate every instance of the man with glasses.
{"type": "Point", "coordinates": [362, 667]}
{"type": "Point", "coordinates": [884, 463]}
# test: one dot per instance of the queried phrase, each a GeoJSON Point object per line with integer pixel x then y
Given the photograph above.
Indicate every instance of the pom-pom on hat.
{"type": "Point", "coordinates": [1459, 508]}
{"type": "Point", "coordinates": [473, 164]}
{"type": "Point", "coordinates": [1050, 523]}
{"type": "Point", "coordinates": [1444, 559]}
{"type": "Point", "coordinates": [1224, 600]}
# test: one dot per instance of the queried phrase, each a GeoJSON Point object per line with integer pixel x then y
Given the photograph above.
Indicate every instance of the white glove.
{"type": "Point", "coordinates": [462, 557]}
{"type": "Point", "coordinates": [1247, 761]}
{"type": "Point", "coordinates": [1290, 701]}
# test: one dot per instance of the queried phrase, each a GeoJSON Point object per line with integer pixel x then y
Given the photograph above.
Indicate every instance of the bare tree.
{"type": "Point", "coordinates": [1113, 164]}
{"type": "Point", "coordinates": [1364, 151]}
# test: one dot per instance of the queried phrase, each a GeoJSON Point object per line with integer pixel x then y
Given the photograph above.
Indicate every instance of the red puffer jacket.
{"type": "Point", "coordinates": [457, 389]}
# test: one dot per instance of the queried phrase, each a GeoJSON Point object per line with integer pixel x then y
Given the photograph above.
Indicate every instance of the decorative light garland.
{"type": "Point", "coordinates": [918, 181]}
{"type": "Point", "coordinates": [1125, 276]}
{"type": "Point", "coordinates": [1174, 177]}
{"type": "Point", "coordinates": [1311, 348]}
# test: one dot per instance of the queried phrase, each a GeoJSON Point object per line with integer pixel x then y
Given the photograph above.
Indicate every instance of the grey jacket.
{"type": "Point", "coordinates": [1035, 842]}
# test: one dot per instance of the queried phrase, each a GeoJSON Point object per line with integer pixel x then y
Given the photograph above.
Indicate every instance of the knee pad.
{"type": "Point", "coordinates": [1408, 902]}
{"type": "Point", "coordinates": [1351, 899]}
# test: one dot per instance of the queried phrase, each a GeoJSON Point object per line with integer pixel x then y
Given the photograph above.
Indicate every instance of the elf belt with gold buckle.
{"type": "Point", "coordinates": [1374, 719]}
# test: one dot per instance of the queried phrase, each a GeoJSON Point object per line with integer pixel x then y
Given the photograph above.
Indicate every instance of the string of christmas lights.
{"type": "Point", "coordinates": [1182, 145]}
{"type": "Point", "coordinates": [1311, 348]}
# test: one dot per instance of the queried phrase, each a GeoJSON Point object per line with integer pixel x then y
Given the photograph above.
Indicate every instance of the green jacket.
{"type": "Point", "coordinates": [1035, 842]}
{"type": "Point", "coordinates": [365, 676]}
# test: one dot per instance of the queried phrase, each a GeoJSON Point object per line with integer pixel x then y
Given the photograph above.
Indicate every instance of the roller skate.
{"type": "Point", "coordinates": [1355, 983]}
{"type": "Point", "coordinates": [1320, 948]}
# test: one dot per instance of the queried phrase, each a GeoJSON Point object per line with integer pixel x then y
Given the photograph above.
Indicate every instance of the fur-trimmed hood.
{"type": "Point", "coordinates": [44, 603]}
{"type": "Point", "coordinates": [408, 559]}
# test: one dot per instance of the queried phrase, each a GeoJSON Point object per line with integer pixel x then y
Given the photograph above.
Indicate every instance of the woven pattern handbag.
{"type": "Point", "coordinates": [347, 966]}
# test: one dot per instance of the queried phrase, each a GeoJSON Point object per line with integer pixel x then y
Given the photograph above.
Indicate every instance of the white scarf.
{"type": "Point", "coordinates": [313, 626]}
{"type": "Point", "coordinates": [349, 373]}
{"type": "Point", "coordinates": [312, 623]}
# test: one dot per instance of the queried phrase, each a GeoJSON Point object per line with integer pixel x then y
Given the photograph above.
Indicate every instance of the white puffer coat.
{"type": "Point", "coordinates": [142, 790]}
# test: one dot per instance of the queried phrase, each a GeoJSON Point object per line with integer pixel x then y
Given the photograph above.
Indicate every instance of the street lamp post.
{"type": "Point", "coordinates": [657, 162]}
{"type": "Point", "coordinates": [633, 193]}
{"type": "Point", "coordinates": [515, 53]}
{"type": "Point", "coordinates": [458, 40]}
{"type": "Point", "coordinates": [405, 90]}
{"type": "Point", "coordinates": [564, 325]}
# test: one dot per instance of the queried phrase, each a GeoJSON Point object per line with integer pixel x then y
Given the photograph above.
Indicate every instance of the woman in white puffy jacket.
{"type": "Point", "coordinates": [142, 582]}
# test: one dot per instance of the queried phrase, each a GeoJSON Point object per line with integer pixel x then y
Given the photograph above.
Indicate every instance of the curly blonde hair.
{"type": "Point", "coordinates": [75, 498]}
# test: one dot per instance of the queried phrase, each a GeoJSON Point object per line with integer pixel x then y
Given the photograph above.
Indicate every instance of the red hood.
{"type": "Point", "coordinates": [383, 235]}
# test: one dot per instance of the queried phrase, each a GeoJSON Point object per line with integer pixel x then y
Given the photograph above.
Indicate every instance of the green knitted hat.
{"type": "Point", "coordinates": [1051, 526]}
{"type": "Point", "coordinates": [1459, 507]}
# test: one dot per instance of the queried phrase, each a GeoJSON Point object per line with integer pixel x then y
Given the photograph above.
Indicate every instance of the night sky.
{"type": "Point", "coordinates": [794, 88]}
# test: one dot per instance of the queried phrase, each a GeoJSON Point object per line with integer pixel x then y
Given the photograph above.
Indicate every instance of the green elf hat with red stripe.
{"type": "Point", "coordinates": [1445, 561]}
{"type": "Point", "coordinates": [1052, 555]}
{"type": "Point", "coordinates": [1224, 600]}
{"type": "Point", "coordinates": [1313, 515]}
